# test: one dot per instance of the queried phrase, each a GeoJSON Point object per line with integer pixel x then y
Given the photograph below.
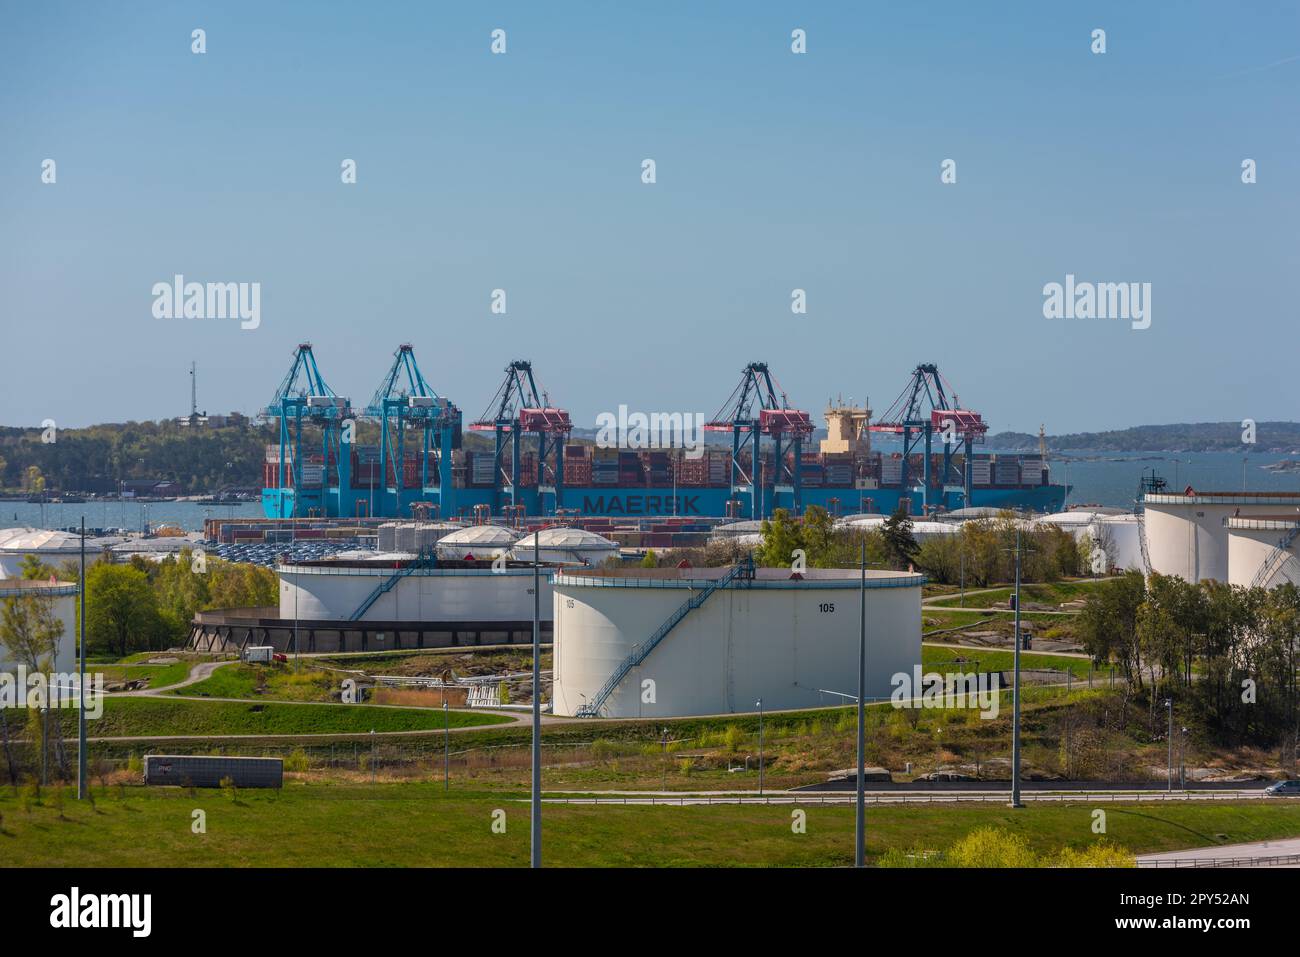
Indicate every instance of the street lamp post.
{"type": "Point", "coordinates": [536, 821]}
{"type": "Point", "coordinates": [860, 820]}
{"type": "Point", "coordinates": [759, 704]}
{"type": "Point", "coordinates": [81, 669]}
{"type": "Point", "coordinates": [1169, 706]}
{"type": "Point", "coordinates": [1015, 692]}
{"type": "Point", "coordinates": [446, 743]}
{"type": "Point", "coordinates": [663, 757]}
{"type": "Point", "coordinates": [1182, 761]}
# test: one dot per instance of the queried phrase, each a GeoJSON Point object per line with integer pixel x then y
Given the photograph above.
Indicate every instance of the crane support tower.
{"type": "Point", "coordinates": [304, 398]}
{"type": "Point", "coordinates": [755, 408]}
{"type": "Point", "coordinates": [520, 409]}
{"type": "Point", "coordinates": [923, 408]}
{"type": "Point", "coordinates": [404, 401]}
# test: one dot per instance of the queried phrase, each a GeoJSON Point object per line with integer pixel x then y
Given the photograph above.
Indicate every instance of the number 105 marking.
{"type": "Point", "coordinates": [827, 608]}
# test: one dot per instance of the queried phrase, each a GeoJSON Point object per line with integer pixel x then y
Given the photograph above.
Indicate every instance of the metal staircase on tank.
{"type": "Point", "coordinates": [385, 586]}
{"type": "Point", "coordinates": [1146, 486]}
{"type": "Point", "coordinates": [1277, 558]}
{"type": "Point", "coordinates": [744, 570]}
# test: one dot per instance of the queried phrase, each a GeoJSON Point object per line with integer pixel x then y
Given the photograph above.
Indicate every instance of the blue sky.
{"type": "Point", "coordinates": [775, 172]}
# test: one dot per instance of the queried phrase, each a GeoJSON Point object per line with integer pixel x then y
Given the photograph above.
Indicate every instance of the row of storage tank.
{"type": "Point", "coordinates": [453, 542]}
{"type": "Point", "coordinates": [1241, 538]}
{"type": "Point", "coordinates": [1113, 532]}
{"type": "Point", "coordinates": [785, 640]}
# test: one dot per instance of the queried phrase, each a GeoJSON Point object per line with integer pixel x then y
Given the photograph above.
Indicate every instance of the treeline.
{"type": "Point", "coordinates": [1226, 656]}
{"type": "Point", "coordinates": [98, 458]}
{"type": "Point", "coordinates": [148, 606]}
{"type": "Point", "coordinates": [202, 460]}
{"type": "Point", "coordinates": [1184, 437]}
{"type": "Point", "coordinates": [984, 550]}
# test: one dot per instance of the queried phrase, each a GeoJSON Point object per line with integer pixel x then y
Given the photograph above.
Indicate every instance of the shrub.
{"type": "Point", "coordinates": [733, 737]}
{"type": "Point", "coordinates": [1101, 854]}
{"type": "Point", "coordinates": [991, 847]}
{"type": "Point", "coordinates": [296, 761]}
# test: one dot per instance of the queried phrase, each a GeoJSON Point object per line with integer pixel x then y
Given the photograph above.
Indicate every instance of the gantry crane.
{"type": "Point", "coordinates": [788, 428]}
{"type": "Point", "coordinates": [404, 400]}
{"type": "Point", "coordinates": [921, 409]}
{"type": "Point", "coordinates": [519, 409]}
{"type": "Point", "coordinates": [303, 394]}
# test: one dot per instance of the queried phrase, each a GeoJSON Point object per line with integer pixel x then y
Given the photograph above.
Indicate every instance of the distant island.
{"type": "Point", "coordinates": [1270, 437]}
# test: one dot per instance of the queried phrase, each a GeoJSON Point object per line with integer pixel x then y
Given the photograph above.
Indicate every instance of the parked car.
{"type": "Point", "coordinates": [1283, 789]}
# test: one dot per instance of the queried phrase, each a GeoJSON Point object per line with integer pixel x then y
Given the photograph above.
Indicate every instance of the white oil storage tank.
{"type": "Point", "coordinates": [1264, 551]}
{"type": "Point", "coordinates": [744, 533]}
{"type": "Point", "coordinates": [476, 541]}
{"type": "Point", "coordinates": [564, 545]}
{"type": "Point", "coordinates": [1187, 534]}
{"type": "Point", "coordinates": [409, 591]}
{"type": "Point", "coordinates": [684, 641]}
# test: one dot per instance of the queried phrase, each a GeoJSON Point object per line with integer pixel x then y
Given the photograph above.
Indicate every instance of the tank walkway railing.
{"type": "Point", "coordinates": [384, 587]}
{"type": "Point", "coordinates": [1276, 558]}
{"type": "Point", "coordinates": [745, 569]}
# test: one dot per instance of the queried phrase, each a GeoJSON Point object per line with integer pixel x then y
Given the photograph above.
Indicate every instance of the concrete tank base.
{"type": "Point", "coordinates": [230, 630]}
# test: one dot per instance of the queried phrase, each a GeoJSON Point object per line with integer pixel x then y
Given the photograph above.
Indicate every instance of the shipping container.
{"type": "Point", "coordinates": [202, 771]}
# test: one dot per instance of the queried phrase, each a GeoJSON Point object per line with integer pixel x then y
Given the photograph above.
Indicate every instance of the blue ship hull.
{"type": "Point", "coordinates": [703, 502]}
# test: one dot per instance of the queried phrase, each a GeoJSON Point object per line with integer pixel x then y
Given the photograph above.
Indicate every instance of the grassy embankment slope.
{"type": "Point", "coordinates": [418, 825]}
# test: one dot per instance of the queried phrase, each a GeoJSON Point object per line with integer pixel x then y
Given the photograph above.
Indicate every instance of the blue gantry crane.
{"type": "Point", "coordinates": [921, 409]}
{"type": "Point", "coordinates": [755, 408]}
{"type": "Point", "coordinates": [405, 401]}
{"type": "Point", "coordinates": [304, 396]}
{"type": "Point", "coordinates": [520, 409]}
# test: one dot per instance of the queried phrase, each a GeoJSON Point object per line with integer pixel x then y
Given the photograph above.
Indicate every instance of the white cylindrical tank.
{"type": "Point", "coordinates": [330, 591]}
{"type": "Point", "coordinates": [747, 532]}
{"type": "Point", "coordinates": [1255, 554]}
{"type": "Point", "coordinates": [786, 640]}
{"type": "Point", "coordinates": [1187, 534]}
{"type": "Point", "coordinates": [563, 545]}
{"type": "Point", "coordinates": [476, 541]}
{"type": "Point", "coordinates": [922, 529]}
{"type": "Point", "coordinates": [1116, 540]}
{"type": "Point", "coordinates": [861, 520]}
{"type": "Point", "coordinates": [1112, 534]}
{"type": "Point", "coordinates": [62, 598]}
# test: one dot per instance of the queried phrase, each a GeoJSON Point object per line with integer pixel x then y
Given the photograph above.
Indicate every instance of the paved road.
{"type": "Point", "coordinates": [1008, 650]}
{"type": "Point", "coordinates": [198, 673]}
{"type": "Point", "coordinates": [675, 798]}
{"type": "Point", "coordinates": [1283, 853]}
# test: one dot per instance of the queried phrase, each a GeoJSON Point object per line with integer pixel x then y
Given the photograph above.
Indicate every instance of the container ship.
{"type": "Point", "coordinates": [759, 455]}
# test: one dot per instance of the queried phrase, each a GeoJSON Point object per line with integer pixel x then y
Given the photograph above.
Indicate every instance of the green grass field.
{"type": "Point", "coordinates": [293, 682]}
{"type": "Point", "coordinates": [138, 717]}
{"type": "Point", "coordinates": [156, 676]}
{"type": "Point", "coordinates": [417, 825]}
{"type": "Point", "coordinates": [946, 659]}
{"type": "Point", "coordinates": [1050, 593]}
